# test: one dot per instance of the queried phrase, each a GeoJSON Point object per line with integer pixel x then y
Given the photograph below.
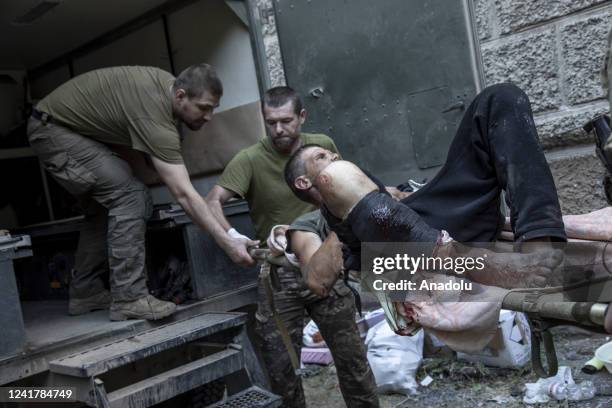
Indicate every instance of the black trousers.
{"type": "Point", "coordinates": [495, 148]}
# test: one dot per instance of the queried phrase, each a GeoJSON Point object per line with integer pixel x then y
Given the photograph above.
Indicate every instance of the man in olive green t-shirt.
{"type": "Point", "coordinates": [256, 174]}
{"type": "Point", "coordinates": [141, 108]}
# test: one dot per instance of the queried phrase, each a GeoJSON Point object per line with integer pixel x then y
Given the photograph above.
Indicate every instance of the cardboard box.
{"type": "Point", "coordinates": [511, 346]}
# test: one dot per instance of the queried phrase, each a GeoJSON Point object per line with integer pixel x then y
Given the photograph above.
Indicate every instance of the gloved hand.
{"type": "Point", "coordinates": [236, 235]}
{"type": "Point", "coordinates": [277, 240]}
{"type": "Point", "coordinates": [240, 237]}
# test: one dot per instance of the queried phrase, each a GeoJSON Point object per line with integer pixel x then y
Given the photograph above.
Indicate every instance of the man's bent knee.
{"type": "Point", "coordinates": [506, 93]}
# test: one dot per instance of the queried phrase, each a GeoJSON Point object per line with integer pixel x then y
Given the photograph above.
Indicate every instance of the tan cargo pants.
{"type": "Point", "coordinates": [116, 207]}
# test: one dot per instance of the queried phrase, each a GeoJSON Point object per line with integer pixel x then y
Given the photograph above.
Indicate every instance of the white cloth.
{"type": "Point", "coordinates": [277, 244]}
{"type": "Point", "coordinates": [277, 241]}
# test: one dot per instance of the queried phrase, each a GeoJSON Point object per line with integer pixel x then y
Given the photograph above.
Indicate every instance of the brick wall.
{"type": "Point", "coordinates": [554, 50]}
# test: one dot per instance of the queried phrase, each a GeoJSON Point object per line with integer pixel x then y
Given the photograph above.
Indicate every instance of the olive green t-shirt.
{"type": "Point", "coordinates": [129, 106]}
{"type": "Point", "coordinates": [257, 175]}
{"type": "Point", "coordinates": [314, 222]}
{"type": "Point", "coordinates": [309, 222]}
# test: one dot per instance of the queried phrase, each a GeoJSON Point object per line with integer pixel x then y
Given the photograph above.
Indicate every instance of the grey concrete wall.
{"type": "Point", "coordinates": [554, 50]}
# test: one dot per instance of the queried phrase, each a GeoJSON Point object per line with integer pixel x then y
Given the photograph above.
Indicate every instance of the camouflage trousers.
{"type": "Point", "coordinates": [116, 207]}
{"type": "Point", "coordinates": [335, 317]}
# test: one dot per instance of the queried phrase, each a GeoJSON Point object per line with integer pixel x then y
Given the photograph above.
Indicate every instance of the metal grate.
{"type": "Point", "coordinates": [253, 397]}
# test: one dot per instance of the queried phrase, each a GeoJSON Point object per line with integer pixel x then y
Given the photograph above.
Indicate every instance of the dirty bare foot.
{"type": "Point", "coordinates": [516, 270]}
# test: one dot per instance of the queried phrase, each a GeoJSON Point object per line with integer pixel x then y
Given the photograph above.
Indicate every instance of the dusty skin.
{"type": "Point", "coordinates": [342, 185]}
{"type": "Point", "coordinates": [325, 266]}
{"type": "Point", "coordinates": [509, 270]}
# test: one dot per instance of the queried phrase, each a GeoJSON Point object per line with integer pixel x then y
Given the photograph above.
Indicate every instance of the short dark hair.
{"type": "Point", "coordinates": [279, 96]}
{"type": "Point", "coordinates": [295, 168]}
{"type": "Point", "coordinates": [197, 79]}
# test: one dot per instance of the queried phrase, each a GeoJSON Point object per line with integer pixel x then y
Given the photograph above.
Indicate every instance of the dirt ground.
{"type": "Point", "coordinates": [459, 384]}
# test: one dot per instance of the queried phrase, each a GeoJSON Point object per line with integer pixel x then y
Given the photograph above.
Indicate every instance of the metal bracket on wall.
{"type": "Point", "coordinates": [317, 92]}
{"type": "Point", "coordinates": [266, 14]}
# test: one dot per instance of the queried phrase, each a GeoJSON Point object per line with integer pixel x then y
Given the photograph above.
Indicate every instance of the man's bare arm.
{"type": "Point", "coordinates": [176, 178]}
{"type": "Point", "coordinates": [215, 199]}
{"type": "Point", "coordinates": [320, 262]}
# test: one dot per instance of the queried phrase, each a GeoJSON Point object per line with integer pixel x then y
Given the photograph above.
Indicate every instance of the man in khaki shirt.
{"type": "Point", "coordinates": [141, 108]}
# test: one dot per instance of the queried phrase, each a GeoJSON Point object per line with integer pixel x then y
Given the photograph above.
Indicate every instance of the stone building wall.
{"type": "Point", "coordinates": [273, 54]}
{"type": "Point", "coordinates": [554, 50]}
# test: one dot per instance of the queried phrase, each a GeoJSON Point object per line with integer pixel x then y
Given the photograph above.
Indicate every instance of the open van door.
{"type": "Point", "coordinates": [387, 80]}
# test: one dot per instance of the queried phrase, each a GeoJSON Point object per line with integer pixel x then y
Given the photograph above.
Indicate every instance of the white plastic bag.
{"type": "Point", "coordinates": [513, 345]}
{"type": "Point", "coordinates": [394, 359]}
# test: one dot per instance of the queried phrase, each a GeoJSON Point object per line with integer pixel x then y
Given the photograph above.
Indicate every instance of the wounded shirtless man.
{"type": "Point", "coordinates": [495, 148]}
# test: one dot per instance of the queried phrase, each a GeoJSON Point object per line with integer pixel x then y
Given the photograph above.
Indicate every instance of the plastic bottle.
{"type": "Point", "coordinates": [592, 366]}
{"type": "Point", "coordinates": [560, 387]}
{"type": "Point", "coordinates": [534, 394]}
{"type": "Point", "coordinates": [587, 390]}
{"type": "Point", "coordinates": [557, 390]}
{"type": "Point", "coordinates": [572, 392]}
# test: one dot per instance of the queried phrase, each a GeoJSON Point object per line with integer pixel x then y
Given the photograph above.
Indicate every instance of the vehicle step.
{"type": "Point", "coordinates": [144, 344]}
{"type": "Point", "coordinates": [253, 397]}
{"type": "Point", "coordinates": [171, 383]}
